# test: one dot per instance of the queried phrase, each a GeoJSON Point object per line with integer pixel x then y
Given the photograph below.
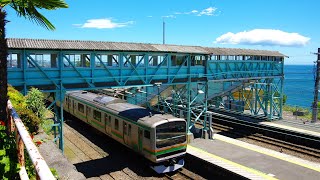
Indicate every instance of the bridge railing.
{"type": "Point", "coordinates": [24, 140]}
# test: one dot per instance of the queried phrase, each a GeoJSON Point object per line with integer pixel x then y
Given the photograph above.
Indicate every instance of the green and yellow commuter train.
{"type": "Point", "coordinates": [160, 138]}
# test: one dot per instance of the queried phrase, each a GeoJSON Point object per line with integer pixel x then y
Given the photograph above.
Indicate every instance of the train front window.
{"type": "Point", "coordinates": [171, 133]}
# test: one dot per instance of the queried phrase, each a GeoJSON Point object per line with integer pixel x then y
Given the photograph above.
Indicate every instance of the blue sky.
{"type": "Point", "coordinates": [289, 26]}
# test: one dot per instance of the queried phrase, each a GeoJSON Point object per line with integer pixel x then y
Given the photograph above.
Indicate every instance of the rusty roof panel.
{"type": "Point", "coordinates": [235, 51]}
{"type": "Point", "coordinates": [16, 43]}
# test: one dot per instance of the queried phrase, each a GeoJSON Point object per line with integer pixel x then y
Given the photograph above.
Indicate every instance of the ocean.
{"type": "Point", "coordinates": [299, 85]}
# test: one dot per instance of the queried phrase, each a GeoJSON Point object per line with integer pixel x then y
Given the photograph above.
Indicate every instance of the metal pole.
{"type": "Point", "coordinates": [163, 31]}
{"type": "Point", "coordinates": [210, 126]}
{"type": "Point", "coordinates": [316, 89]}
{"type": "Point", "coordinates": [158, 98]}
{"type": "Point", "coordinates": [189, 96]}
{"type": "Point", "coordinates": [61, 140]}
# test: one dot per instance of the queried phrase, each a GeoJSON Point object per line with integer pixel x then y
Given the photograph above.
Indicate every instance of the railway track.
{"type": "Point", "coordinates": [274, 132]}
{"type": "Point", "coordinates": [182, 174]}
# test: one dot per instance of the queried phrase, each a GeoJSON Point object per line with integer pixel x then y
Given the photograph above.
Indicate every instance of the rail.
{"type": "Point", "coordinates": [23, 139]}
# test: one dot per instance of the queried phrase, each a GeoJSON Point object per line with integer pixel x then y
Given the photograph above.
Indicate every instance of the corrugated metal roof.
{"type": "Point", "coordinates": [16, 43]}
{"type": "Point", "coordinates": [237, 52]}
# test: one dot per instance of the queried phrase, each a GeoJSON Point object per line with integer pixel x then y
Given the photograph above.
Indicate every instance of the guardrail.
{"type": "Point", "coordinates": [23, 139]}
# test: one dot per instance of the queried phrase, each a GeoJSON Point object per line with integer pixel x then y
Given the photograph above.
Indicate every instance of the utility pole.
{"type": "Point", "coordinates": [163, 31]}
{"type": "Point", "coordinates": [316, 91]}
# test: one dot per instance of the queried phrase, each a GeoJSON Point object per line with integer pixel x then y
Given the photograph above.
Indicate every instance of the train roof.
{"type": "Point", "coordinates": [133, 112]}
{"type": "Point", "coordinates": [100, 99]}
{"type": "Point", "coordinates": [137, 113]}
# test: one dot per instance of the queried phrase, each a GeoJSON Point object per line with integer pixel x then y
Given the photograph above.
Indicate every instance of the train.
{"type": "Point", "coordinates": [160, 138]}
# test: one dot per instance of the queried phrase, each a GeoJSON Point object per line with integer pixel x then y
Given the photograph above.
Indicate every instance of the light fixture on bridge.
{"type": "Point", "coordinates": [200, 91]}
{"type": "Point", "coordinates": [128, 92]}
{"type": "Point", "coordinates": [140, 91]}
{"type": "Point", "coordinates": [158, 84]}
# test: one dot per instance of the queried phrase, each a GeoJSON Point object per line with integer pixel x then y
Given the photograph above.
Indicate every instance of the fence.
{"type": "Point", "coordinates": [23, 139]}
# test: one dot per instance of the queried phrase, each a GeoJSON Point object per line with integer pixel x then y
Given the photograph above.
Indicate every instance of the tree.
{"type": "Point", "coordinates": [29, 10]}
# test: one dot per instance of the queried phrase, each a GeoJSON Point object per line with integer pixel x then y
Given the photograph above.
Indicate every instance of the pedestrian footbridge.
{"type": "Point", "coordinates": [199, 77]}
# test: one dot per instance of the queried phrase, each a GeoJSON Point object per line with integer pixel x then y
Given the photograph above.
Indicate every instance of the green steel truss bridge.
{"type": "Point", "coordinates": [183, 80]}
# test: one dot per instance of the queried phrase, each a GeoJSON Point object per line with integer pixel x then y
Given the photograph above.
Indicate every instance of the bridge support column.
{"type": "Point", "coordinates": [58, 118]}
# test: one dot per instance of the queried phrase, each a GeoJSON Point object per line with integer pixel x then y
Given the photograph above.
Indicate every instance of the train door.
{"type": "Point", "coordinates": [107, 120]}
{"type": "Point", "coordinates": [125, 132]}
{"type": "Point", "coordinates": [140, 138]}
{"type": "Point", "coordinates": [65, 103]}
{"type": "Point", "coordinates": [88, 113]}
{"type": "Point", "coordinates": [73, 106]}
{"type": "Point", "coordinates": [68, 104]}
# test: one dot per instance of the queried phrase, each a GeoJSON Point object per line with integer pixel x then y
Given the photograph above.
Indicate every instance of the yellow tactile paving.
{"type": "Point", "coordinates": [310, 165]}
{"type": "Point", "coordinates": [260, 175]}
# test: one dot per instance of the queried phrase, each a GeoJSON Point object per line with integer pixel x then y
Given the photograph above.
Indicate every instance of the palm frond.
{"type": "Point", "coordinates": [50, 4]}
{"type": "Point", "coordinates": [28, 9]}
{"type": "Point", "coordinates": [3, 3]}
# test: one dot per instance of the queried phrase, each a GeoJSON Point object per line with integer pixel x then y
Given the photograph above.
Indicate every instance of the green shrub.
{"type": "Point", "coordinates": [8, 155]}
{"type": "Point", "coordinates": [35, 102]}
{"type": "Point", "coordinates": [16, 98]}
{"type": "Point", "coordinates": [29, 119]}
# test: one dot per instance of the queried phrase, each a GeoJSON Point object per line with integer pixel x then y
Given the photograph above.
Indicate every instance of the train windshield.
{"type": "Point", "coordinates": [171, 133]}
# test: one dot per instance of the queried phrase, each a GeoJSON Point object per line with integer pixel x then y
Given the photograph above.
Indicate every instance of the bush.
{"type": "Point", "coordinates": [8, 156]}
{"type": "Point", "coordinates": [16, 98]}
{"type": "Point", "coordinates": [29, 119]}
{"type": "Point", "coordinates": [35, 102]}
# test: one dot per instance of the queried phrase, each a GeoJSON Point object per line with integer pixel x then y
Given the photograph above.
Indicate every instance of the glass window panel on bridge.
{"type": "Point", "coordinates": [249, 57]}
{"type": "Point", "coordinates": [178, 60]}
{"type": "Point", "coordinates": [109, 60]}
{"type": "Point", "coordinates": [42, 60]}
{"type": "Point", "coordinates": [77, 60]}
{"type": "Point", "coordinates": [14, 60]}
{"type": "Point", "coordinates": [213, 57]}
{"type": "Point", "coordinates": [233, 57]}
{"type": "Point", "coordinates": [197, 60]}
{"type": "Point", "coordinates": [134, 60]}
{"type": "Point", "coordinates": [156, 60]}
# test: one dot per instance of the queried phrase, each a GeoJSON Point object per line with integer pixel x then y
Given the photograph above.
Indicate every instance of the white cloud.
{"type": "Point", "coordinates": [194, 11]}
{"type": "Point", "coordinates": [169, 16]}
{"type": "Point", "coordinates": [270, 37]}
{"type": "Point", "coordinates": [105, 23]}
{"type": "Point", "coordinates": [210, 11]}
{"type": "Point", "coordinates": [149, 16]}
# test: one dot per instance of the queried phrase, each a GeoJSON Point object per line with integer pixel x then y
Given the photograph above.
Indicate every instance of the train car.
{"type": "Point", "coordinates": [160, 138]}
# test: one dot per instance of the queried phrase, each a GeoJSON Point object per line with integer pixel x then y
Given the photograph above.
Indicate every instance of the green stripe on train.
{"type": "Point", "coordinates": [165, 151]}
{"type": "Point", "coordinates": [97, 124]}
{"type": "Point", "coordinates": [116, 134]}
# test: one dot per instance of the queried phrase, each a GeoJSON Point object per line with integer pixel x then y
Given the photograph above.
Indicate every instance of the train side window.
{"type": "Point", "coordinates": [97, 115]}
{"type": "Point", "coordinates": [80, 107]}
{"type": "Point", "coordinates": [147, 134]}
{"type": "Point", "coordinates": [129, 130]}
{"type": "Point", "coordinates": [116, 124]}
{"type": "Point", "coordinates": [109, 120]}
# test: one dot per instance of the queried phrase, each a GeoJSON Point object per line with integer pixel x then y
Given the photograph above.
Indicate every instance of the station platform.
{"type": "Point", "coordinates": [251, 161]}
{"type": "Point", "coordinates": [297, 125]}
